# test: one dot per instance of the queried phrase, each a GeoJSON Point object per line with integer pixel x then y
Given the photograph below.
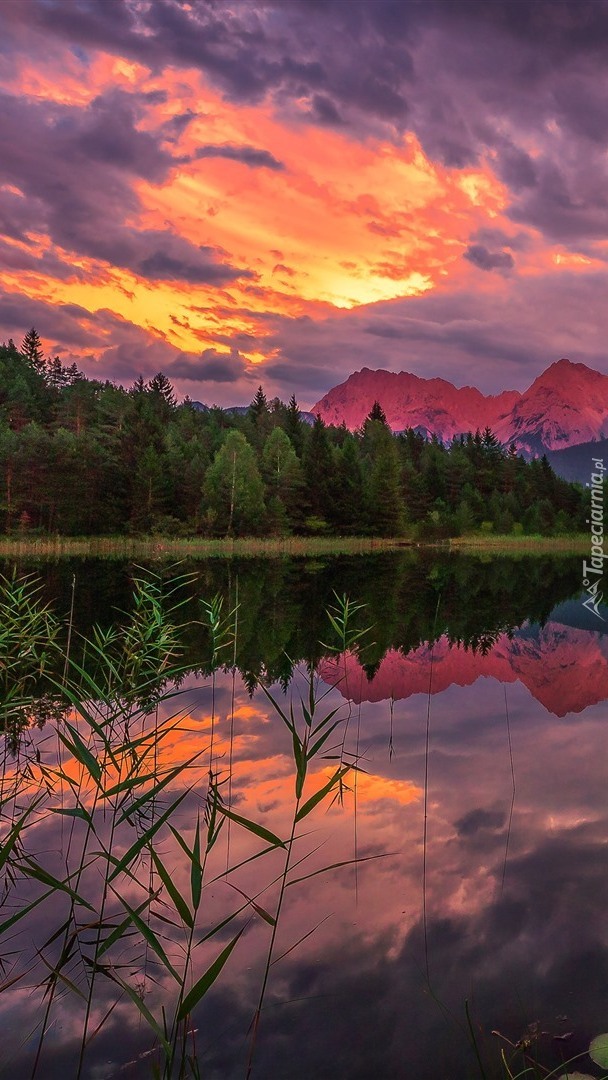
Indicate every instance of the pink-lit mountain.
{"type": "Point", "coordinates": [565, 406]}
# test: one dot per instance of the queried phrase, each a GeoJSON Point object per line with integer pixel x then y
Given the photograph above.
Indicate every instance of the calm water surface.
{"type": "Point", "coordinates": [477, 715]}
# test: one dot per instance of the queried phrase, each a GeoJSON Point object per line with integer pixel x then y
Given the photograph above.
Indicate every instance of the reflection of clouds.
{"type": "Point", "coordinates": [352, 997]}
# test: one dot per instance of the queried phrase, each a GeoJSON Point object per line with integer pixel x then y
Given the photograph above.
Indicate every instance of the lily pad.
{"type": "Point", "coordinates": [598, 1050]}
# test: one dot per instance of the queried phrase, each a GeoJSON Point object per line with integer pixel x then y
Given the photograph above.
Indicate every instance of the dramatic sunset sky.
{"type": "Point", "coordinates": [241, 192]}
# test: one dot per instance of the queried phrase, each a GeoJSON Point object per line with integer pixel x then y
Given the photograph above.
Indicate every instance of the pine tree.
{"type": "Point", "coordinates": [377, 413]}
{"type": "Point", "coordinates": [31, 348]}
{"type": "Point", "coordinates": [348, 514]}
{"type": "Point", "coordinates": [161, 387]}
{"type": "Point", "coordinates": [294, 425]}
{"type": "Point", "coordinates": [259, 405]}
{"type": "Point", "coordinates": [383, 487]}
{"type": "Point", "coordinates": [318, 464]}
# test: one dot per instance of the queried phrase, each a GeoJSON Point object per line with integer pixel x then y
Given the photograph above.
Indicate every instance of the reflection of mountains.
{"type": "Point", "coordinates": [564, 668]}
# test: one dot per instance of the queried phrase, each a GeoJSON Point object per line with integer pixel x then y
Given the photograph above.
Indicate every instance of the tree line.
{"type": "Point", "coordinates": [81, 456]}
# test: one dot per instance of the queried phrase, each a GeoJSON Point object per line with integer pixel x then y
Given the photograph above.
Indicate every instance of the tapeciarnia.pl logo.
{"type": "Point", "coordinates": [593, 570]}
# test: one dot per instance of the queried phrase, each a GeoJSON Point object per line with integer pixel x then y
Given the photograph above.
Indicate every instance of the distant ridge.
{"type": "Point", "coordinates": [565, 406]}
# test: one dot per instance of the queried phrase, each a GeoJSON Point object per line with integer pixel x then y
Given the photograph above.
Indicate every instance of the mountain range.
{"type": "Point", "coordinates": [566, 406]}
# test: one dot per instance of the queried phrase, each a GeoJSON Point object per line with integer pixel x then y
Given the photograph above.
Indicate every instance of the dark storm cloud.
{"type": "Point", "coordinates": [569, 204]}
{"type": "Point", "coordinates": [76, 169]}
{"type": "Point", "coordinates": [39, 262]}
{"type": "Point", "coordinates": [247, 155]}
{"type": "Point", "coordinates": [299, 376]}
{"type": "Point", "coordinates": [494, 238]}
{"type": "Point", "coordinates": [324, 111]}
{"type": "Point", "coordinates": [468, 78]}
{"type": "Point", "coordinates": [385, 1019]}
{"type": "Point", "coordinates": [68, 323]}
{"type": "Point", "coordinates": [485, 259]}
{"type": "Point", "coordinates": [476, 820]}
{"type": "Point", "coordinates": [211, 366]}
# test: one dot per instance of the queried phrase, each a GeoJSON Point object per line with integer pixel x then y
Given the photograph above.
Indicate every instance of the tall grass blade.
{"type": "Point", "coordinates": [201, 987]}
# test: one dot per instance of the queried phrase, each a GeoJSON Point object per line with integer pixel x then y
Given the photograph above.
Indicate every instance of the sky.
{"type": "Point", "coordinates": [281, 193]}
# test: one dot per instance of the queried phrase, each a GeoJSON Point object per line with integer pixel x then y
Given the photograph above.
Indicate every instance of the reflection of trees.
{"type": "Point", "coordinates": [29, 656]}
{"type": "Point", "coordinates": [47, 665]}
{"type": "Point", "coordinates": [410, 598]}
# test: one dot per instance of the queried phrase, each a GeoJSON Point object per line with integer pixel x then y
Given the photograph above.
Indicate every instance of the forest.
{"type": "Point", "coordinates": [83, 457]}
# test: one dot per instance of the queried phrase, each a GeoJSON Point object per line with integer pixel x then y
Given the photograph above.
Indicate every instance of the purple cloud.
{"type": "Point", "coordinates": [247, 155]}
{"type": "Point", "coordinates": [485, 259]}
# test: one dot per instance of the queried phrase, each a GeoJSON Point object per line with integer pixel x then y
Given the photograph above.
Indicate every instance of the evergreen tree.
{"type": "Point", "coordinates": [348, 511]}
{"type": "Point", "coordinates": [318, 464]}
{"type": "Point", "coordinates": [377, 413]}
{"type": "Point", "coordinates": [8, 457]}
{"type": "Point", "coordinates": [31, 349]}
{"type": "Point", "coordinates": [162, 391]}
{"type": "Point", "coordinates": [259, 405]}
{"type": "Point", "coordinates": [294, 425]}
{"type": "Point", "coordinates": [383, 482]}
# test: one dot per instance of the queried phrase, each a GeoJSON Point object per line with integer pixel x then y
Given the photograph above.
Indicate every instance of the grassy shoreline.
{"type": "Point", "coordinates": [160, 547]}
{"type": "Point", "coordinates": [574, 544]}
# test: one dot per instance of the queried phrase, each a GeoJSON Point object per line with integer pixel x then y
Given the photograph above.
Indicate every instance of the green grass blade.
{"type": "Point", "coordinates": [145, 838]}
{"type": "Point", "coordinates": [253, 827]}
{"type": "Point", "coordinates": [153, 792]}
{"type": "Point", "coordinates": [320, 795]}
{"type": "Point", "coordinates": [119, 931]}
{"type": "Point", "coordinates": [81, 752]}
{"type": "Point", "coordinates": [201, 987]}
{"type": "Point", "coordinates": [196, 870]}
{"type": "Point", "coordinates": [31, 869]}
{"type": "Point", "coordinates": [180, 904]}
{"type": "Point", "coordinates": [74, 812]}
{"type": "Point", "coordinates": [148, 935]}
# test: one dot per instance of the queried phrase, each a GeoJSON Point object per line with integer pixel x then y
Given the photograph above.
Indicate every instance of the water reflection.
{"type": "Point", "coordinates": [513, 913]}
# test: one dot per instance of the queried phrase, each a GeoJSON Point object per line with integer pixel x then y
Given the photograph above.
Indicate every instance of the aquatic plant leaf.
{"type": "Point", "coordinates": [81, 752]}
{"type": "Point", "coordinates": [119, 931]}
{"type": "Point", "coordinates": [11, 840]}
{"type": "Point", "coordinates": [144, 839]}
{"type": "Point", "coordinates": [261, 911]}
{"type": "Point", "coordinates": [322, 740]}
{"type": "Point", "coordinates": [6, 925]}
{"type": "Point", "coordinates": [252, 826]}
{"type": "Point", "coordinates": [74, 811]}
{"type": "Point", "coordinates": [143, 1008]}
{"type": "Point", "coordinates": [148, 935]}
{"type": "Point", "coordinates": [598, 1050]}
{"type": "Point", "coordinates": [178, 900]}
{"type": "Point", "coordinates": [320, 795]}
{"type": "Point", "coordinates": [196, 869]}
{"type": "Point", "coordinates": [337, 865]}
{"type": "Point", "coordinates": [201, 987]}
{"type": "Point", "coordinates": [33, 870]}
{"type": "Point", "coordinates": [153, 791]}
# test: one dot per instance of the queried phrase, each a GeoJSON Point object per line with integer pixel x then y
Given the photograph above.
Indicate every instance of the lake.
{"type": "Point", "coordinates": [444, 901]}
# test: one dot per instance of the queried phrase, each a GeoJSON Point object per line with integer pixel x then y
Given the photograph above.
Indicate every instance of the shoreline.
{"type": "Point", "coordinates": [56, 547]}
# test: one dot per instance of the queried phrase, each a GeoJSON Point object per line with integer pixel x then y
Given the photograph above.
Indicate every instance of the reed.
{"type": "Point", "coordinates": [575, 543]}
{"type": "Point", "coordinates": [158, 547]}
{"type": "Point", "coordinates": [124, 928]}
